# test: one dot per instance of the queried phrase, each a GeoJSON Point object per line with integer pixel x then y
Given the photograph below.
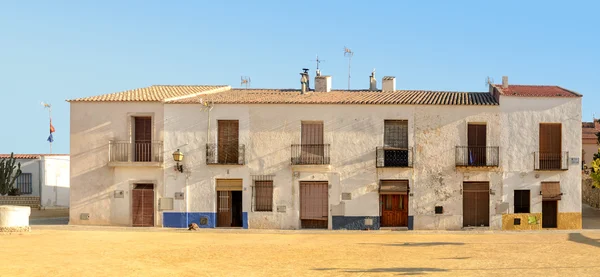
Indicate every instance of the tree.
{"type": "Point", "coordinates": [595, 170]}
{"type": "Point", "coordinates": [8, 175]}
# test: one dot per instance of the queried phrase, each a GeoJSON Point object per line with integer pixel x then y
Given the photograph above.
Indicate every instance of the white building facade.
{"type": "Point", "coordinates": [288, 159]}
{"type": "Point", "coordinates": [44, 181]}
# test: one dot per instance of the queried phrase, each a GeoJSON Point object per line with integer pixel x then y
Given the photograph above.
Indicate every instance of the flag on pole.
{"type": "Point", "coordinates": [52, 130]}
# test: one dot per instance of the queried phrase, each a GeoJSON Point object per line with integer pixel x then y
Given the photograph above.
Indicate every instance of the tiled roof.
{"type": "Point", "coordinates": [292, 96]}
{"type": "Point", "coordinates": [588, 131]}
{"type": "Point", "coordinates": [536, 91]}
{"type": "Point", "coordinates": [29, 156]}
{"type": "Point", "coordinates": [156, 93]}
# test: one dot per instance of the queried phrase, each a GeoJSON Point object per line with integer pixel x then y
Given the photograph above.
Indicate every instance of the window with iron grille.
{"type": "Point", "coordinates": [395, 133]}
{"type": "Point", "coordinates": [262, 192]}
{"type": "Point", "coordinates": [24, 183]}
{"type": "Point", "coordinates": [522, 200]}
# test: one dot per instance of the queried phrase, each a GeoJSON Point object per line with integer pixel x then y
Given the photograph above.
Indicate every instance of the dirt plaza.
{"type": "Point", "coordinates": [115, 251]}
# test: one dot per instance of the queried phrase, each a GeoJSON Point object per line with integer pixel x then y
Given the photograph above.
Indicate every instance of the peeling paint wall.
{"type": "Point", "coordinates": [93, 182]}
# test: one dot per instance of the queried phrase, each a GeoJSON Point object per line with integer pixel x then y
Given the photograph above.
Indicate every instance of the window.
{"type": "Point", "coordinates": [522, 198]}
{"type": "Point", "coordinates": [395, 141]}
{"type": "Point", "coordinates": [24, 183]}
{"type": "Point", "coordinates": [142, 138]}
{"type": "Point", "coordinates": [476, 139]}
{"type": "Point", "coordinates": [550, 156]}
{"type": "Point", "coordinates": [263, 193]}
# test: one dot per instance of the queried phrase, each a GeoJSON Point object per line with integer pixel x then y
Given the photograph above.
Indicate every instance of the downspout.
{"type": "Point", "coordinates": [40, 176]}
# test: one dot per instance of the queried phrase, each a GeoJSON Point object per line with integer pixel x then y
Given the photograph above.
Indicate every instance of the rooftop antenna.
{"type": "Point", "coordinates": [489, 81]}
{"type": "Point", "coordinates": [245, 80]}
{"type": "Point", "coordinates": [318, 62]}
{"type": "Point", "coordinates": [50, 138]}
{"type": "Point", "coordinates": [348, 53]}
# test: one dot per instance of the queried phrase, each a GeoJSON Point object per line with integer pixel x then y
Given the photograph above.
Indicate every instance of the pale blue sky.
{"type": "Point", "coordinates": [56, 50]}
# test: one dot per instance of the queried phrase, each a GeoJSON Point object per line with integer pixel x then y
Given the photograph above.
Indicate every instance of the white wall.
{"type": "Point", "coordinates": [521, 117]}
{"type": "Point", "coordinates": [31, 166]}
{"type": "Point", "coordinates": [55, 183]}
{"type": "Point", "coordinates": [93, 182]}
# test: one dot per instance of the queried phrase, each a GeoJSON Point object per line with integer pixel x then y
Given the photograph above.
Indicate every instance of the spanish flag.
{"type": "Point", "coordinates": [52, 130]}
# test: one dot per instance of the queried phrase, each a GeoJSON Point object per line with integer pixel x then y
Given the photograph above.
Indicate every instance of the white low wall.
{"type": "Point", "coordinates": [14, 218]}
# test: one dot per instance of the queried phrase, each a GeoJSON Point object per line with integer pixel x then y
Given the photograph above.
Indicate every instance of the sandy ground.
{"type": "Point", "coordinates": [74, 251]}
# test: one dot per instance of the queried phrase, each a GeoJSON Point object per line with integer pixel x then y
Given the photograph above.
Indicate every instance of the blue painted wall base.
{"type": "Point", "coordinates": [179, 220]}
{"type": "Point", "coordinates": [354, 223]}
{"type": "Point", "coordinates": [411, 220]}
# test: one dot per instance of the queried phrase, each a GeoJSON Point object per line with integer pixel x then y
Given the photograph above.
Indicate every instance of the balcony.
{"type": "Point", "coordinates": [310, 154]}
{"type": "Point", "coordinates": [394, 157]}
{"type": "Point", "coordinates": [477, 156]}
{"type": "Point", "coordinates": [225, 154]}
{"type": "Point", "coordinates": [551, 160]}
{"type": "Point", "coordinates": [140, 153]}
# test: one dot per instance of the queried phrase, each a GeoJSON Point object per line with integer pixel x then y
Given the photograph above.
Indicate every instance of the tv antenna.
{"type": "Point", "coordinates": [245, 80]}
{"type": "Point", "coordinates": [318, 61]}
{"type": "Point", "coordinates": [348, 53]}
{"type": "Point", "coordinates": [489, 81]}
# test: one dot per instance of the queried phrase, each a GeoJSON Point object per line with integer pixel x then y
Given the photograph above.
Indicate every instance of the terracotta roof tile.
{"type": "Point", "coordinates": [155, 93]}
{"type": "Point", "coordinates": [29, 156]}
{"type": "Point", "coordinates": [536, 91]}
{"type": "Point", "coordinates": [589, 130]}
{"type": "Point", "coordinates": [292, 96]}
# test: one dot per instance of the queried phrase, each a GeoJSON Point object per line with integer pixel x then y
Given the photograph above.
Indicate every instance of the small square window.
{"type": "Point", "coordinates": [439, 210]}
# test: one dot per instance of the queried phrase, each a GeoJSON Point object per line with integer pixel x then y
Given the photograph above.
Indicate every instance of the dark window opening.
{"type": "Point", "coordinates": [522, 201]}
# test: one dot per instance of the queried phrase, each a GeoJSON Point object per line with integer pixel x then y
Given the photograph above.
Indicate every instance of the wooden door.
{"type": "Point", "coordinates": [228, 141]}
{"type": "Point", "coordinates": [142, 145]}
{"type": "Point", "coordinates": [311, 142]}
{"type": "Point", "coordinates": [142, 205]}
{"type": "Point", "coordinates": [550, 146]}
{"type": "Point", "coordinates": [394, 210]}
{"type": "Point", "coordinates": [477, 144]}
{"type": "Point", "coordinates": [314, 204]}
{"type": "Point", "coordinates": [549, 214]}
{"type": "Point", "coordinates": [224, 209]}
{"type": "Point", "coordinates": [476, 204]}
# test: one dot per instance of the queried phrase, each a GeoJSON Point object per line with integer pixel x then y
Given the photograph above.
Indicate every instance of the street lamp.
{"type": "Point", "coordinates": [178, 157]}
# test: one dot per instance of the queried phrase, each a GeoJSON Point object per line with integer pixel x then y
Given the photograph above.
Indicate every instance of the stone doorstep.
{"type": "Point", "coordinates": [393, 228]}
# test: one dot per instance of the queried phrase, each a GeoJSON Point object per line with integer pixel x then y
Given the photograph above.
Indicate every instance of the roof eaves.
{"type": "Point", "coordinates": [220, 88]}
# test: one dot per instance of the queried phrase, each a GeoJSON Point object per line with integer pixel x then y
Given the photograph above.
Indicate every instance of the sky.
{"type": "Point", "coordinates": [52, 51]}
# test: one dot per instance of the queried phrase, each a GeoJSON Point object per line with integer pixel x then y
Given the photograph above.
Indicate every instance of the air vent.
{"type": "Point", "coordinates": [517, 221]}
{"type": "Point", "coordinates": [204, 220]}
{"type": "Point", "coordinates": [439, 210]}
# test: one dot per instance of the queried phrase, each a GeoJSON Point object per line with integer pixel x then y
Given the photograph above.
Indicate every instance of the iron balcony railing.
{"type": "Point", "coordinates": [478, 156]}
{"type": "Point", "coordinates": [310, 154]}
{"type": "Point", "coordinates": [551, 160]}
{"type": "Point", "coordinates": [139, 151]}
{"type": "Point", "coordinates": [229, 154]}
{"type": "Point", "coordinates": [394, 157]}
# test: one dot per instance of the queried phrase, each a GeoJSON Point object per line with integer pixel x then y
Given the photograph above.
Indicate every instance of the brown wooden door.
{"type": "Point", "coordinates": [228, 141]}
{"type": "Point", "coordinates": [224, 209]}
{"type": "Point", "coordinates": [477, 144]}
{"type": "Point", "coordinates": [394, 210]}
{"type": "Point", "coordinates": [550, 146]}
{"type": "Point", "coordinates": [142, 145]}
{"type": "Point", "coordinates": [311, 142]}
{"type": "Point", "coordinates": [549, 214]}
{"type": "Point", "coordinates": [142, 205]}
{"type": "Point", "coordinates": [476, 204]}
{"type": "Point", "coordinates": [314, 204]}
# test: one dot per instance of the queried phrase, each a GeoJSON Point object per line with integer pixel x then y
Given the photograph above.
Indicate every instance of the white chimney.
{"type": "Point", "coordinates": [388, 83]}
{"type": "Point", "coordinates": [504, 81]}
{"type": "Point", "coordinates": [372, 81]}
{"type": "Point", "coordinates": [323, 84]}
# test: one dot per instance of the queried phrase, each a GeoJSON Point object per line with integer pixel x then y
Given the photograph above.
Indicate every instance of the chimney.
{"type": "Point", "coordinates": [504, 81]}
{"type": "Point", "coordinates": [304, 81]}
{"type": "Point", "coordinates": [323, 83]}
{"type": "Point", "coordinates": [388, 83]}
{"type": "Point", "coordinates": [372, 81]}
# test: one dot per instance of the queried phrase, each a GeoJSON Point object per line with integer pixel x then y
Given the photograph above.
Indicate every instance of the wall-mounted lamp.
{"type": "Point", "coordinates": [178, 157]}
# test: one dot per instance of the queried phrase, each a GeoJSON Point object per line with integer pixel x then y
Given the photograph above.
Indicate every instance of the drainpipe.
{"type": "Point", "coordinates": [40, 176]}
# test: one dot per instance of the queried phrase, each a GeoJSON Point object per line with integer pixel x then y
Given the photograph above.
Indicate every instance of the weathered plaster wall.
{"type": "Point", "coordinates": [55, 184]}
{"type": "Point", "coordinates": [93, 182]}
{"type": "Point", "coordinates": [508, 222]}
{"type": "Point", "coordinates": [520, 119]}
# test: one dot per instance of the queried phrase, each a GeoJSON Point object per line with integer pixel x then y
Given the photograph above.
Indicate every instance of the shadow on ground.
{"type": "Point", "coordinates": [400, 270]}
{"type": "Point", "coordinates": [579, 238]}
{"type": "Point", "coordinates": [49, 221]}
{"type": "Point", "coordinates": [418, 244]}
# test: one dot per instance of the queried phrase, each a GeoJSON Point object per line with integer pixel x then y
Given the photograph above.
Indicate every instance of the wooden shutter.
{"type": "Point", "coordinates": [395, 133]}
{"type": "Point", "coordinates": [263, 195]}
{"type": "Point", "coordinates": [228, 141]}
{"type": "Point", "coordinates": [550, 138]}
{"type": "Point", "coordinates": [142, 139]}
{"type": "Point", "coordinates": [476, 135]}
{"type": "Point", "coordinates": [312, 133]}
